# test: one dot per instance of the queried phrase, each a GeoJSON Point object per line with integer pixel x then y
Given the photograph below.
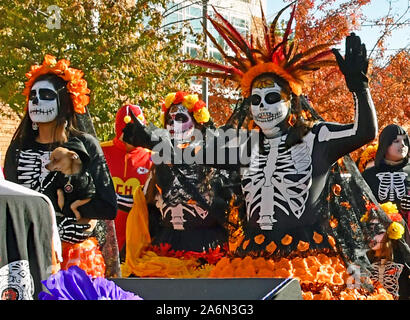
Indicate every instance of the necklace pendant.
{"type": "Point", "coordinates": [68, 187]}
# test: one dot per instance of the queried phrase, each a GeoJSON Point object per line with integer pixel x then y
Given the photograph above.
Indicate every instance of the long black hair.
{"type": "Point", "coordinates": [387, 136]}
{"type": "Point", "coordinates": [25, 135]}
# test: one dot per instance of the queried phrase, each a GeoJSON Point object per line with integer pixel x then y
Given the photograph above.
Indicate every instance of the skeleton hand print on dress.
{"type": "Point", "coordinates": [31, 169]}
{"type": "Point", "coordinates": [178, 210]}
{"type": "Point", "coordinates": [391, 185]}
{"type": "Point", "coordinates": [278, 180]}
{"type": "Point", "coordinates": [268, 109]}
{"type": "Point", "coordinates": [42, 104]}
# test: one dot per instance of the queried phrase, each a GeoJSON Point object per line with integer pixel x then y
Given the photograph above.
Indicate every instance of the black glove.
{"type": "Point", "coordinates": [354, 65]}
{"type": "Point", "coordinates": [70, 231]}
{"type": "Point", "coordinates": [135, 134]}
{"type": "Point", "coordinates": [405, 202]}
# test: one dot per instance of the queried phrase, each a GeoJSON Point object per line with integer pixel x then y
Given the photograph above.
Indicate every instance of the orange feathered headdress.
{"type": "Point", "coordinates": [76, 86]}
{"type": "Point", "coordinates": [274, 55]}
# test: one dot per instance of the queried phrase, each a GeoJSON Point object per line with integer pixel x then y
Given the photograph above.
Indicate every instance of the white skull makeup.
{"type": "Point", "coordinates": [179, 123]}
{"type": "Point", "coordinates": [42, 104]}
{"type": "Point", "coordinates": [268, 109]}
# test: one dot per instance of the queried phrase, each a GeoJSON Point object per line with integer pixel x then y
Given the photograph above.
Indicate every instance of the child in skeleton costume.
{"type": "Point", "coordinates": [56, 93]}
{"type": "Point", "coordinates": [389, 181]}
{"type": "Point", "coordinates": [187, 203]}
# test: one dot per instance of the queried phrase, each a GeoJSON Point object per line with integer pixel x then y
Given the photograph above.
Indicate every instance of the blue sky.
{"type": "Point", "coordinates": [368, 34]}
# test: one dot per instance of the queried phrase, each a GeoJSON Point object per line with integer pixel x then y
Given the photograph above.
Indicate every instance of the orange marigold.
{"type": "Point", "coordinates": [271, 247]}
{"type": "Point", "coordinates": [259, 239]}
{"type": "Point", "coordinates": [318, 238]}
{"type": "Point", "coordinates": [303, 246]}
{"type": "Point", "coordinates": [287, 240]}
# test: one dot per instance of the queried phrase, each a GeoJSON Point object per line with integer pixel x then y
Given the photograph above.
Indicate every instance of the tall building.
{"type": "Point", "coordinates": [242, 14]}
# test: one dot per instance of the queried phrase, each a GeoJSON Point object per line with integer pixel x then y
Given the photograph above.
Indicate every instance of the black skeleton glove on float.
{"type": "Point", "coordinates": [355, 64]}
{"type": "Point", "coordinates": [72, 232]}
{"type": "Point", "coordinates": [136, 135]}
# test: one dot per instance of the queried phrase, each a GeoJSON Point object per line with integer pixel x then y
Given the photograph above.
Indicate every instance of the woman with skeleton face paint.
{"type": "Point", "coordinates": [56, 93]}
{"type": "Point", "coordinates": [287, 184]}
{"type": "Point", "coordinates": [187, 203]}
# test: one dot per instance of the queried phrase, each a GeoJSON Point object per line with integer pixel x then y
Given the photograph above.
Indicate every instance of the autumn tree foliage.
{"type": "Point", "coordinates": [323, 21]}
{"type": "Point", "coordinates": [125, 54]}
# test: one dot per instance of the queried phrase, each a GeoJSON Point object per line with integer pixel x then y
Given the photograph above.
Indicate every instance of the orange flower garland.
{"type": "Point", "coordinates": [322, 277]}
{"type": "Point", "coordinates": [86, 255]}
{"type": "Point", "coordinates": [368, 155]}
{"type": "Point", "coordinates": [76, 85]}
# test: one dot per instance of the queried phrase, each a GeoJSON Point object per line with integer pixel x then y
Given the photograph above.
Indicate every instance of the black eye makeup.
{"type": "Point", "coordinates": [47, 94]}
{"type": "Point", "coordinates": [272, 97]}
{"type": "Point", "coordinates": [256, 99]}
{"type": "Point", "coordinates": [32, 95]}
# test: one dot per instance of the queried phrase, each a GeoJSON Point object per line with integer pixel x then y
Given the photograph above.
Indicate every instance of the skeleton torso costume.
{"type": "Point", "coordinates": [278, 181]}
{"type": "Point", "coordinates": [389, 183]}
{"type": "Point", "coordinates": [190, 212]}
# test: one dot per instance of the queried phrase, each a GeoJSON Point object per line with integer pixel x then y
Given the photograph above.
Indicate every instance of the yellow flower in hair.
{"type": "Point", "coordinates": [169, 99]}
{"type": "Point", "coordinates": [202, 115]}
{"type": "Point", "coordinates": [162, 118]}
{"type": "Point", "coordinates": [189, 101]}
{"type": "Point", "coordinates": [395, 231]}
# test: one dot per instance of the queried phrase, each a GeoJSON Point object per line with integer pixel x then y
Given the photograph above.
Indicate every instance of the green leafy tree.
{"type": "Point", "coordinates": [125, 54]}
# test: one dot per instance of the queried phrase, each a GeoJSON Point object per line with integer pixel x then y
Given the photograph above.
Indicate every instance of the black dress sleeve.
{"type": "Point", "coordinates": [10, 163]}
{"type": "Point", "coordinates": [342, 139]}
{"type": "Point", "coordinates": [104, 204]}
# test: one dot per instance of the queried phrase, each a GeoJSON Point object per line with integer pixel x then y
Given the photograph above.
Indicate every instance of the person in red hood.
{"type": "Point", "coordinates": [129, 167]}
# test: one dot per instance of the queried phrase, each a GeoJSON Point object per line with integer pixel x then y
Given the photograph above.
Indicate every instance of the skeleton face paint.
{"type": "Point", "coordinates": [268, 109]}
{"type": "Point", "coordinates": [398, 149]}
{"type": "Point", "coordinates": [379, 231]}
{"type": "Point", "coordinates": [42, 104]}
{"type": "Point", "coordinates": [179, 123]}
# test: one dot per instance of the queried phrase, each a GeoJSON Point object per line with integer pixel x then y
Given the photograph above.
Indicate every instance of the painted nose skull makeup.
{"type": "Point", "coordinates": [179, 123]}
{"type": "Point", "coordinates": [42, 104]}
{"type": "Point", "coordinates": [268, 109]}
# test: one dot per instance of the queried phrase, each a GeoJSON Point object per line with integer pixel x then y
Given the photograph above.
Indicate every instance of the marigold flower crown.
{"type": "Point", "coordinates": [76, 85]}
{"type": "Point", "coordinates": [253, 58]}
{"type": "Point", "coordinates": [189, 101]}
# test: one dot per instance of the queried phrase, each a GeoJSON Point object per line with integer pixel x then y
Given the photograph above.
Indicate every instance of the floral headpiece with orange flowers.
{"type": "Point", "coordinates": [275, 55]}
{"type": "Point", "coordinates": [189, 101]}
{"type": "Point", "coordinates": [76, 86]}
{"type": "Point", "coordinates": [368, 155]}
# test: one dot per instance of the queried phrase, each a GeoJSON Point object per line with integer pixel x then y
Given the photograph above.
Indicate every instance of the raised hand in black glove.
{"type": "Point", "coordinates": [135, 134]}
{"type": "Point", "coordinates": [72, 232]}
{"type": "Point", "coordinates": [405, 202]}
{"type": "Point", "coordinates": [354, 65]}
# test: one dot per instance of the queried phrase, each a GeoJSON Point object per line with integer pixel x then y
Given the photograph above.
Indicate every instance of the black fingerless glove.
{"type": "Point", "coordinates": [355, 64]}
